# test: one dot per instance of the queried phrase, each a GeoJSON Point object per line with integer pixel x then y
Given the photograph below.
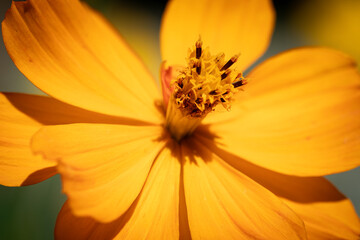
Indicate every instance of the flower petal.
{"type": "Point", "coordinates": [21, 115]}
{"type": "Point", "coordinates": [326, 212]}
{"type": "Point", "coordinates": [328, 219]}
{"type": "Point", "coordinates": [224, 203]}
{"type": "Point", "coordinates": [103, 166]}
{"type": "Point", "coordinates": [228, 26]}
{"type": "Point", "coordinates": [299, 115]}
{"type": "Point", "coordinates": [70, 52]}
{"type": "Point", "coordinates": [154, 215]}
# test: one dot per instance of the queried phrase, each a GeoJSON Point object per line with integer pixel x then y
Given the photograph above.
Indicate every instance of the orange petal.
{"type": "Point", "coordinates": [326, 212]}
{"type": "Point", "coordinates": [299, 114]}
{"type": "Point", "coordinates": [154, 215]}
{"type": "Point", "coordinates": [21, 115]}
{"type": "Point", "coordinates": [70, 52]}
{"type": "Point", "coordinates": [231, 27]}
{"type": "Point", "coordinates": [223, 203]}
{"type": "Point", "coordinates": [103, 166]}
{"type": "Point", "coordinates": [332, 219]}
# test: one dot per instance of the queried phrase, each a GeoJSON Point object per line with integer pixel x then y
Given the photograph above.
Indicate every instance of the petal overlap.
{"type": "Point", "coordinates": [153, 215]}
{"type": "Point", "coordinates": [21, 115]}
{"type": "Point", "coordinates": [101, 175]}
{"type": "Point", "coordinates": [222, 201]}
{"type": "Point", "coordinates": [326, 212]}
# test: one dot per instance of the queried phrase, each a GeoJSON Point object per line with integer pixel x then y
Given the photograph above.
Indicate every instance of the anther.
{"type": "Point", "coordinates": [198, 67]}
{"type": "Point", "coordinates": [239, 83]}
{"type": "Point", "coordinates": [225, 74]}
{"type": "Point", "coordinates": [198, 45]}
{"type": "Point", "coordinates": [213, 92]}
{"type": "Point", "coordinates": [240, 76]}
{"type": "Point", "coordinates": [230, 62]}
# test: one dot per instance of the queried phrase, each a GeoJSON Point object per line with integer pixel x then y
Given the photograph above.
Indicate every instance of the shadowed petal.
{"type": "Point", "coordinates": [299, 114]}
{"type": "Point", "coordinates": [70, 52]}
{"type": "Point", "coordinates": [153, 215]}
{"type": "Point", "coordinates": [21, 115]}
{"type": "Point", "coordinates": [223, 203]}
{"type": "Point", "coordinates": [228, 26]}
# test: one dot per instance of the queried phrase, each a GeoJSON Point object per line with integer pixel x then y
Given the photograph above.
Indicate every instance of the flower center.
{"type": "Point", "coordinates": [204, 83]}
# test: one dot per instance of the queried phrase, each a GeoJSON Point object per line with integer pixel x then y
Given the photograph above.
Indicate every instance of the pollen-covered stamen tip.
{"type": "Point", "coordinates": [230, 62]}
{"type": "Point", "coordinates": [240, 81]}
{"type": "Point", "coordinates": [225, 74]}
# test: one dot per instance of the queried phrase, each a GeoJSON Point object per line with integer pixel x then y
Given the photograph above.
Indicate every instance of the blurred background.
{"type": "Point", "coordinates": [30, 212]}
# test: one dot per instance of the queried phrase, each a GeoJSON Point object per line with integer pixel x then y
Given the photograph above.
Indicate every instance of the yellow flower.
{"type": "Point", "coordinates": [131, 170]}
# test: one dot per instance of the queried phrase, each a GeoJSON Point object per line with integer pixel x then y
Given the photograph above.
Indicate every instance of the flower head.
{"type": "Point", "coordinates": [198, 88]}
{"type": "Point", "coordinates": [132, 170]}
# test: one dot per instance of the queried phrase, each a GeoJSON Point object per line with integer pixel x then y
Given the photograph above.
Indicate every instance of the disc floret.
{"type": "Point", "coordinates": [204, 83]}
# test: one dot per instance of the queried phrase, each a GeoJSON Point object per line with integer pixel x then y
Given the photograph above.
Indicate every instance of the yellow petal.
{"type": "Point", "coordinates": [21, 115]}
{"type": "Point", "coordinates": [228, 26]}
{"type": "Point", "coordinates": [70, 52]}
{"type": "Point", "coordinates": [332, 219]}
{"type": "Point", "coordinates": [103, 166]}
{"type": "Point", "coordinates": [223, 203]}
{"type": "Point", "coordinates": [299, 115]}
{"type": "Point", "coordinates": [154, 215]}
{"type": "Point", "coordinates": [326, 212]}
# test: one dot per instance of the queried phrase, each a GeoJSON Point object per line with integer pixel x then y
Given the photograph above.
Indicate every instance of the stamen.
{"type": "Point", "coordinates": [227, 92]}
{"type": "Point", "coordinates": [225, 74]}
{"type": "Point", "coordinates": [230, 62]}
{"type": "Point", "coordinates": [198, 67]}
{"type": "Point", "coordinates": [205, 82]}
{"type": "Point", "coordinates": [198, 45]}
{"type": "Point", "coordinates": [240, 76]}
{"type": "Point", "coordinates": [213, 92]}
{"type": "Point", "coordinates": [239, 83]}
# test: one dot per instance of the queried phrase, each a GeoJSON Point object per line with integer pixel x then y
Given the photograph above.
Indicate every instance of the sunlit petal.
{"type": "Point", "coordinates": [73, 54]}
{"type": "Point", "coordinates": [154, 215]}
{"type": "Point", "coordinates": [229, 26]}
{"type": "Point", "coordinates": [299, 115]}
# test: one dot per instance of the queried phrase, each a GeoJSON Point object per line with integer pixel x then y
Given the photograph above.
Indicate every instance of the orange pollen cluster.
{"type": "Point", "coordinates": [205, 82]}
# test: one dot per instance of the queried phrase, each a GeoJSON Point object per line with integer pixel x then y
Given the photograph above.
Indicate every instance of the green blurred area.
{"type": "Point", "coordinates": [30, 212]}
